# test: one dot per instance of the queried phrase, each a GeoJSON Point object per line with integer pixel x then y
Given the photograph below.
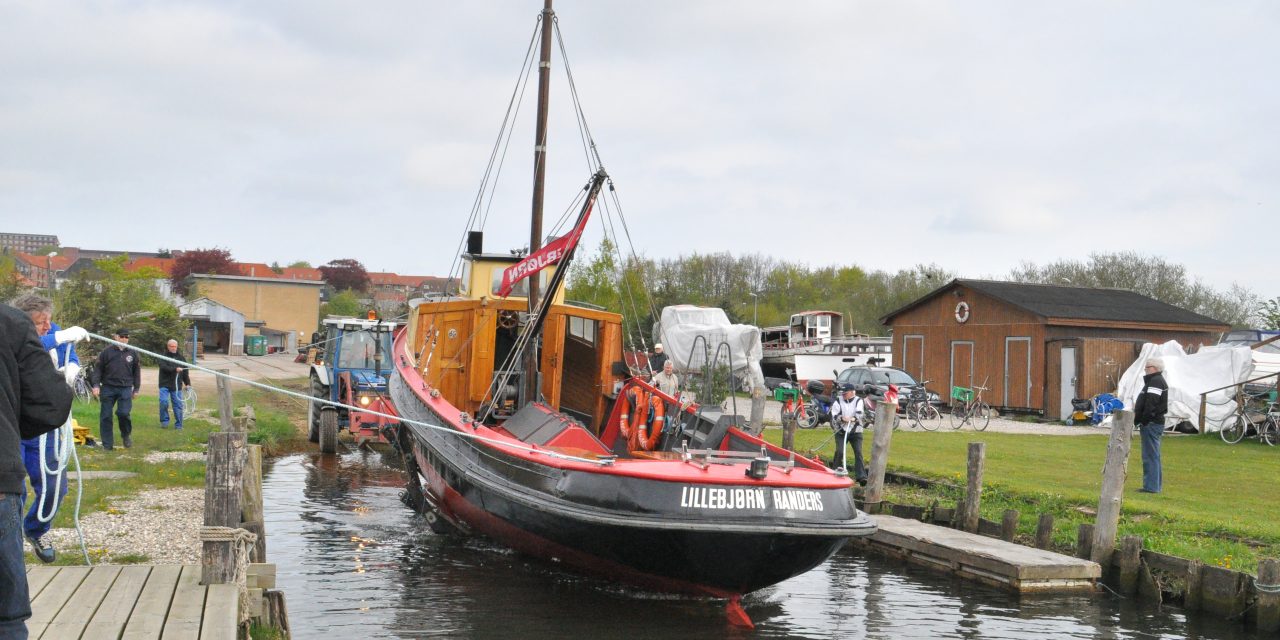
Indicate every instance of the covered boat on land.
{"type": "Point", "coordinates": [523, 423]}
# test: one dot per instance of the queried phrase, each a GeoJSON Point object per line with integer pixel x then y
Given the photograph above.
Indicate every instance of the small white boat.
{"type": "Point", "coordinates": [838, 355]}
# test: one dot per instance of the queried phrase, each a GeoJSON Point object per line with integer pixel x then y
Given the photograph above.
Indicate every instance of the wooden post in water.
{"type": "Point", "coordinates": [757, 409]}
{"type": "Point", "coordinates": [788, 432]}
{"type": "Point", "coordinates": [1130, 564]}
{"type": "Point", "coordinates": [1114, 473]}
{"type": "Point", "coordinates": [252, 517]}
{"type": "Point", "coordinates": [1268, 587]}
{"type": "Point", "coordinates": [1009, 525]}
{"type": "Point", "coordinates": [1044, 531]}
{"type": "Point", "coordinates": [1195, 573]}
{"type": "Point", "coordinates": [973, 493]}
{"type": "Point", "coordinates": [879, 458]}
{"type": "Point", "coordinates": [223, 493]}
{"type": "Point", "coordinates": [224, 400]}
{"type": "Point", "coordinates": [1084, 541]}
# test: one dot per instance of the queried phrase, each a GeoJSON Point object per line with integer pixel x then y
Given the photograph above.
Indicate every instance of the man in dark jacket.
{"type": "Point", "coordinates": [1148, 414]}
{"type": "Point", "coordinates": [172, 378]}
{"type": "Point", "coordinates": [657, 359]}
{"type": "Point", "coordinates": [34, 399]}
{"type": "Point", "coordinates": [116, 382]}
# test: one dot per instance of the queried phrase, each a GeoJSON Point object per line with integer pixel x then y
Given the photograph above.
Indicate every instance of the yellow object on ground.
{"type": "Point", "coordinates": [81, 433]}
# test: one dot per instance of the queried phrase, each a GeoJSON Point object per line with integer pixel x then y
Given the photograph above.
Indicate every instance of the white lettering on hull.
{"type": "Point", "coordinates": [750, 499]}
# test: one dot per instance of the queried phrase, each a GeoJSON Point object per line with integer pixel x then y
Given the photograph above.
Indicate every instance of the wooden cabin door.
{"type": "Point", "coordinates": [552, 358]}
{"type": "Point", "coordinates": [447, 370]}
{"type": "Point", "coordinates": [1017, 371]}
{"type": "Point", "coordinates": [961, 365]}
{"type": "Point", "coordinates": [913, 356]}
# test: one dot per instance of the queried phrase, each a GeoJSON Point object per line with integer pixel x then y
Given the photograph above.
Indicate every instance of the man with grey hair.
{"type": "Point", "coordinates": [172, 378]}
{"type": "Point", "coordinates": [1148, 414]}
{"type": "Point", "coordinates": [60, 343]}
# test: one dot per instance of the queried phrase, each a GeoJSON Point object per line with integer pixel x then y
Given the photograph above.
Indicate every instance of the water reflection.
{"type": "Point", "coordinates": [355, 563]}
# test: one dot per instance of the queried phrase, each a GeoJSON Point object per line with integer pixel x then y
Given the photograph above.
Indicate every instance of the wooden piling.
{"type": "Point", "coordinates": [1114, 473]}
{"type": "Point", "coordinates": [789, 432]}
{"type": "Point", "coordinates": [1130, 564]}
{"type": "Point", "coordinates": [879, 457]}
{"type": "Point", "coordinates": [1044, 531]}
{"type": "Point", "coordinates": [973, 492]}
{"type": "Point", "coordinates": [1268, 588]}
{"type": "Point", "coordinates": [1084, 542]}
{"type": "Point", "coordinates": [252, 515]}
{"type": "Point", "coordinates": [1195, 586]}
{"type": "Point", "coordinates": [1009, 525]}
{"type": "Point", "coordinates": [223, 495]}
{"type": "Point", "coordinates": [757, 409]}
{"type": "Point", "coordinates": [225, 413]}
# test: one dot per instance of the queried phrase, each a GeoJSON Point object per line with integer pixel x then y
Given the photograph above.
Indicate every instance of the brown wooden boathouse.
{"type": "Point", "coordinates": [1035, 346]}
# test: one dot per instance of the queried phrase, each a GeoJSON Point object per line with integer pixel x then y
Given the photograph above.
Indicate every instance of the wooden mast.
{"type": "Point", "coordinates": [539, 177]}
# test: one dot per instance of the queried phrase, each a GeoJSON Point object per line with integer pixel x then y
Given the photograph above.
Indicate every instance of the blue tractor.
{"type": "Point", "coordinates": [352, 366]}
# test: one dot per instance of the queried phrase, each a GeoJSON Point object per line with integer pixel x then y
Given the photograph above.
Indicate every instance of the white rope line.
{"type": "Point", "coordinates": [252, 383]}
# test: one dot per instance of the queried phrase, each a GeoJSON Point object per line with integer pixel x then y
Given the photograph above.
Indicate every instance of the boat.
{"type": "Point", "coordinates": [838, 355]}
{"type": "Point", "coordinates": [521, 422]}
{"type": "Point", "coordinates": [817, 339]}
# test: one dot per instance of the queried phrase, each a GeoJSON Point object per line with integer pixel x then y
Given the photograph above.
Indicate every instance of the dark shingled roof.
{"type": "Point", "coordinates": [1081, 303]}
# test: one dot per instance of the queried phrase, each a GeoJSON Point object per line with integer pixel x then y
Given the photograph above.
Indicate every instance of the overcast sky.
{"type": "Point", "coordinates": [970, 134]}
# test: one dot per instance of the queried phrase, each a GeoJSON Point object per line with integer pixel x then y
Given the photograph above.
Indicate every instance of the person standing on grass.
{"type": "Point", "coordinates": [34, 399]}
{"type": "Point", "coordinates": [657, 360]}
{"type": "Point", "coordinates": [172, 378]}
{"type": "Point", "coordinates": [60, 343]}
{"type": "Point", "coordinates": [1148, 414]}
{"type": "Point", "coordinates": [846, 419]}
{"type": "Point", "coordinates": [117, 381]}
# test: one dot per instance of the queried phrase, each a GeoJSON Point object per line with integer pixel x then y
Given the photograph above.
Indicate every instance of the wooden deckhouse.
{"type": "Point", "coordinates": [461, 343]}
{"type": "Point", "coordinates": [1035, 346]}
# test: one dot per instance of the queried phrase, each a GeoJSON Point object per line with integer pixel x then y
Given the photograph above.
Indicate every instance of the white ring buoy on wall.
{"type": "Point", "coordinates": [962, 312]}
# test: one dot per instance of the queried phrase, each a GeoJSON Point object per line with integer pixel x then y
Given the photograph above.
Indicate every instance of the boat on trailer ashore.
{"type": "Point", "coordinates": [569, 460]}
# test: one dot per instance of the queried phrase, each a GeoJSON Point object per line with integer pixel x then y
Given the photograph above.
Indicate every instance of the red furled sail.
{"type": "Point", "coordinates": [551, 253]}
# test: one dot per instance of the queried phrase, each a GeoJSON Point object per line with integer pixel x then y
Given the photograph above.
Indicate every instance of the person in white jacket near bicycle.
{"type": "Point", "coordinates": [847, 419]}
{"type": "Point", "coordinates": [48, 479]}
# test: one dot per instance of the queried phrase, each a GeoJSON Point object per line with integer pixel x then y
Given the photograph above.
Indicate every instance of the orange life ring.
{"type": "Point", "coordinates": [649, 432]}
{"type": "Point", "coordinates": [628, 401]}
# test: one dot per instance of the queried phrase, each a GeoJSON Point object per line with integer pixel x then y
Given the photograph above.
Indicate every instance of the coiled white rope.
{"type": "Point", "coordinates": [64, 451]}
{"type": "Point", "coordinates": [339, 405]}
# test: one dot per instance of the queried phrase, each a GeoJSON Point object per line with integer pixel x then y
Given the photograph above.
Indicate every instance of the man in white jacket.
{"type": "Point", "coordinates": [847, 418]}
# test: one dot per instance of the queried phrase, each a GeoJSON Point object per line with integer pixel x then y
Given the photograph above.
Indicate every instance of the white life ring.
{"type": "Point", "coordinates": [962, 312]}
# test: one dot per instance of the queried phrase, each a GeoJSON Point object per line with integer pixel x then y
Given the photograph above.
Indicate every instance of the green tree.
{"type": "Point", "coordinates": [1269, 314]}
{"type": "Point", "coordinates": [299, 264]}
{"type": "Point", "coordinates": [109, 297]}
{"type": "Point", "coordinates": [342, 303]}
{"type": "Point", "coordinates": [595, 281]}
{"type": "Point", "coordinates": [9, 285]}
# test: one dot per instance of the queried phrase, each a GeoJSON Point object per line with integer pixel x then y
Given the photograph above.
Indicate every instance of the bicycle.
{"type": "Point", "coordinates": [971, 408]}
{"type": "Point", "coordinates": [81, 387]}
{"type": "Point", "coordinates": [1247, 421]}
{"type": "Point", "coordinates": [920, 411]}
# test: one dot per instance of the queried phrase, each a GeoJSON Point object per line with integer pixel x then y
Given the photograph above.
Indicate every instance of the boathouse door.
{"type": "Point", "coordinates": [913, 356]}
{"type": "Point", "coordinates": [1068, 377]}
{"type": "Point", "coordinates": [1017, 371]}
{"type": "Point", "coordinates": [961, 365]}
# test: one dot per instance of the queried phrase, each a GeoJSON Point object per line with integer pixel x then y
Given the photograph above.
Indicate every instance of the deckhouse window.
{"type": "Point", "coordinates": [582, 329]}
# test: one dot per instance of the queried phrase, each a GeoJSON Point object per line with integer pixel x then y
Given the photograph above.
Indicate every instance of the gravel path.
{"type": "Point", "coordinates": [161, 524]}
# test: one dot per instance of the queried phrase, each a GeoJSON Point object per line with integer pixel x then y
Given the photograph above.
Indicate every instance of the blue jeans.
{"type": "Point", "coordinates": [31, 524]}
{"type": "Point", "coordinates": [15, 604]}
{"type": "Point", "coordinates": [121, 398]}
{"type": "Point", "coordinates": [843, 440]}
{"type": "Point", "coordinates": [1151, 476]}
{"type": "Point", "coordinates": [165, 395]}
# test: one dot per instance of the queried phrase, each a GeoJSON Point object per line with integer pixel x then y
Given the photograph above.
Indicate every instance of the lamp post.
{"type": "Point", "coordinates": [755, 311]}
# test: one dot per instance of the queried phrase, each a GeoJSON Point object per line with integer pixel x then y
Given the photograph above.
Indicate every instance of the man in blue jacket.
{"type": "Point", "coordinates": [39, 454]}
{"type": "Point", "coordinates": [34, 399]}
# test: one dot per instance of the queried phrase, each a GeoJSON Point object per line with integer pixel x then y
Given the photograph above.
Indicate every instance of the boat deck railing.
{"type": "Point", "coordinates": [704, 458]}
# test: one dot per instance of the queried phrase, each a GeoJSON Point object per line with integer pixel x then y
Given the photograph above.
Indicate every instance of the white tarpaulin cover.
{"type": "Point", "coordinates": [683, 324]}
{"type": "Point", "coordinates": [1189, 375]}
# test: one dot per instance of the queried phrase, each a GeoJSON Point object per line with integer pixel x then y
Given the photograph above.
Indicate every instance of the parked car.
{"type": "Point", "coordinates": [876, 380]}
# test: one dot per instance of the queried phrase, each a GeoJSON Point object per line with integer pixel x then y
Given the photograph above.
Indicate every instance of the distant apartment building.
{"type": "Point", "coordinates": [26, 242]}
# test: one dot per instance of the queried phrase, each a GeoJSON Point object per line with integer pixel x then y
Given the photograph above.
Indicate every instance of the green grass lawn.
{"type": "Point", "coordinates": [1221, 503]}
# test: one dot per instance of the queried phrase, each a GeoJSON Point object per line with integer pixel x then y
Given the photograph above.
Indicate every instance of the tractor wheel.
{"type": "Point", "coordinates": [328, 431]}
{"type": "Point", "coordinates": [313, 410]}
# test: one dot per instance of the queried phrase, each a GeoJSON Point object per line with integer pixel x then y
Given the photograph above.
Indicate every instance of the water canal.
{"type": "Point", "coordinates": [355, 563]}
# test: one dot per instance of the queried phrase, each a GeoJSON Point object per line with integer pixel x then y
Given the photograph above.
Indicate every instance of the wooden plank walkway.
{"type": "Point", "coordinates": [136, 602]}
{"type": "Point", "coordinates": [988, 560]}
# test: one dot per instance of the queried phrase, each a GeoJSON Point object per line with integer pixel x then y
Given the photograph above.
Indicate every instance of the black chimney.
{"type": "Point", "coordinates": [475, 242]}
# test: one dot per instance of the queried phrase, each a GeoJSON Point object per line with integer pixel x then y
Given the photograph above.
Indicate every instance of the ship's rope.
{"type": "Point", "coordinates": [339, 405]}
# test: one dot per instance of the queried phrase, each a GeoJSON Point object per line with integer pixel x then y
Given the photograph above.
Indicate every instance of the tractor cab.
{"type": "Point", "coordinates": [352, 366]}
